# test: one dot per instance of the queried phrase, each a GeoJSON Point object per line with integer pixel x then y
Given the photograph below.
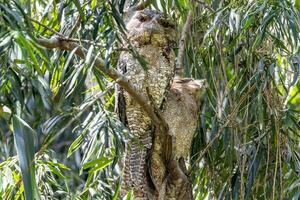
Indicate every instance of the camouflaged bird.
{"type": "Point", "coordinates": [181, 111]}
{"type": "Point", "coordinates": [152, 36]}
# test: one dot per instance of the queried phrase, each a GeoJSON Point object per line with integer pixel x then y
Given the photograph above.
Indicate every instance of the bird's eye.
{"type": "Point", "coordinates": [142, 18]}
{"type": "Point", "coordinates": [166, 23]}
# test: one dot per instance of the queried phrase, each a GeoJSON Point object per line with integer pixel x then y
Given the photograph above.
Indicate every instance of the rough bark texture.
{"type": "Point", "coordinates": [151, 35]}
{"type": "Point", "coordinates": [168, 170]}
{"type": "Point", "coordinates": [167, 177]}
{"type": "Point", "coordinates": [163, 177]}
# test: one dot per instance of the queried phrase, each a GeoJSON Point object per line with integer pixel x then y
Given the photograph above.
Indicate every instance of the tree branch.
{"type": "Point", "coordinates": [230, 117]}
{"type": "Point", "coordinates": [143, 101]}
{"type": "Point", "coordinates": [140, 6]}
{"type": "Point", "coordinates": [44, 26]}
{"type": "Point", "coordinates": [182, 42]}
{"type": "Point", "coordinates": [205, 5]}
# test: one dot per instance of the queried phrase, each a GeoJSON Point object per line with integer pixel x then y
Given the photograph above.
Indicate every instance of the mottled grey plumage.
{"type": "Point", "coordinates": [181, 111]}
{"type": "Point", "coordinates": [151, 34]}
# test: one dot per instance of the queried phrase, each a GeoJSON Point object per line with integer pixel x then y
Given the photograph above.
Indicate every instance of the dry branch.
{"type": "Point", "coordinates": [182, 42]}
{"type": "Point", "coordinates": [140, 6]}
{"type": "Point", "coordinates": [143, 101]}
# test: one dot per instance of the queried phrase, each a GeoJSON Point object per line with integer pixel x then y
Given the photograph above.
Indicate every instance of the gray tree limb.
{"type": "Point", "coordinates": [182, 42]}
{"type": "Point", "coordinates": [143, 101]}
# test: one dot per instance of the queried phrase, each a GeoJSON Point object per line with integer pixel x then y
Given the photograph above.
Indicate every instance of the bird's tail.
{"type": "Point", "coordinates": [135, 168]}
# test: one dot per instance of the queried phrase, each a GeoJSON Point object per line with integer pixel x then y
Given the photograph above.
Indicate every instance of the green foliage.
{"type": "Point", "coordinates": [24, 142]}
{"type": "Point", "coordinates": [249, 55]}
{"type": "Point", "coordinates": [64, 100]}
{"type": "Point", "coordinates": [60, 108]}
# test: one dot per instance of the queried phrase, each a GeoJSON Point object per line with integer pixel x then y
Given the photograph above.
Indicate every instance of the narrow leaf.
{"type": "Point", "coordinates": [25, 148]}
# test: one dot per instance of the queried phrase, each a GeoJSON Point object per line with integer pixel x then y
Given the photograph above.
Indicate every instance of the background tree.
{"type": "Point", "coordinates": [247, 144]}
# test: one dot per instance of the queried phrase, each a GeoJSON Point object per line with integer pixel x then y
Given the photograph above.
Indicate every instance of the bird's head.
{"type": "Point", "coordinates": [151, 27]}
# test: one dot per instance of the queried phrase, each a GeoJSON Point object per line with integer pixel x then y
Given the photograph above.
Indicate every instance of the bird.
{"type": "Point", "coordinates": [152, 36]}
{"type": "Point", "coordinates": [181, 109]}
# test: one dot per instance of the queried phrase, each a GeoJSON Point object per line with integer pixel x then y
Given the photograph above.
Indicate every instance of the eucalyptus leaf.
{"type": "Point", "coordinates": [24, 141]}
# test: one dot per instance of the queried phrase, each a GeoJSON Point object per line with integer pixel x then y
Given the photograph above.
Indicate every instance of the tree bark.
{"type": "Point", "coordinates": [167, 175]}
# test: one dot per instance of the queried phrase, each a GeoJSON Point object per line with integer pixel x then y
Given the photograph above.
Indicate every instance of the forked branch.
{"type": "Point", "coordinates": [143, 101]}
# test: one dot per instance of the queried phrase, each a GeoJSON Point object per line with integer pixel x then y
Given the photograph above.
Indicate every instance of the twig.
{"type": "Point", "coordinates": [62, 37]}
{"type": "Point", "coordinates": [140, 6]}
{"type": "Point", "coordinates": [93, 43]}
{"type": "Point", "coordinates": [84, 109]}
{"type": "Point", "coordinates": [205, 5]}
{"type": "Point", "coordinates": [143, 101]}
{"type": "Point", "coordinates": [183, 39]}
{"type": "Point", "coordinates": [46, 27]}
{"type": "Point", "coordinates": [76, 25]}
{"type": "Point", "coordinates": [182, 42]}
{"type": "Point", "coordinates": [230, 117]}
